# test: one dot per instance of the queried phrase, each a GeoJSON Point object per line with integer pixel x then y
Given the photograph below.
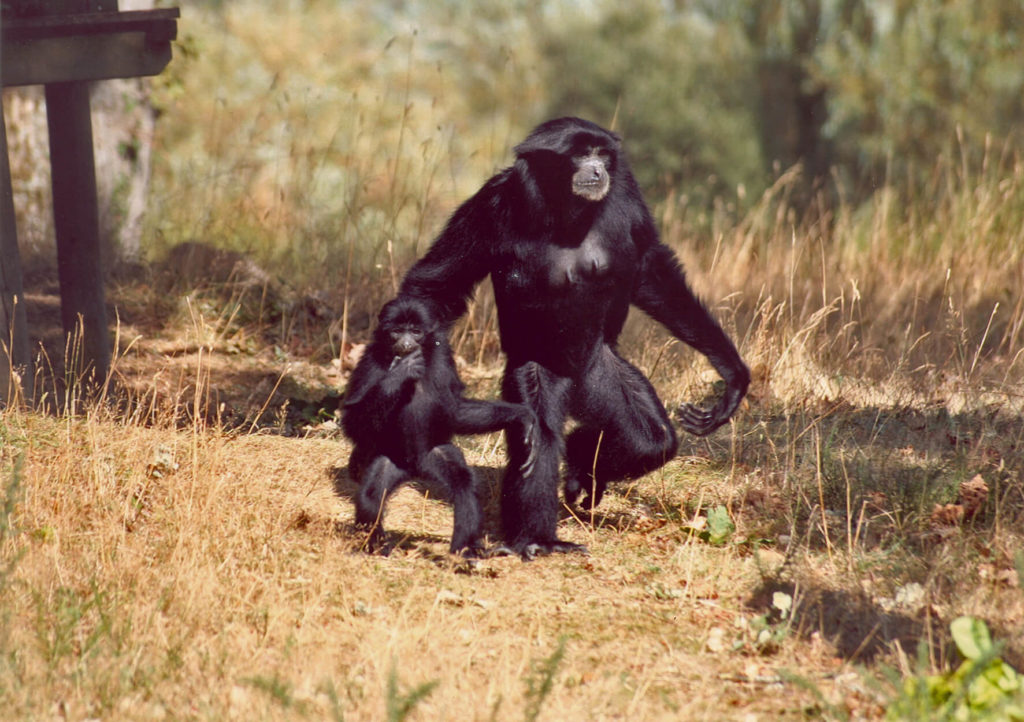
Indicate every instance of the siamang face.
{"type": "Point", "coordinates": [571, 157]}
{"type": "Point", "coordinates": [403, 326]}
{"type": "Point", "coordinates": [591, 178]}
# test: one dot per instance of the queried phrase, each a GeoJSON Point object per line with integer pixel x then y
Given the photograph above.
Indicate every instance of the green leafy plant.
{"type": "Point", "coordinates": [716, 529]}
{"type": "Point", "coordinates": [983, 687]}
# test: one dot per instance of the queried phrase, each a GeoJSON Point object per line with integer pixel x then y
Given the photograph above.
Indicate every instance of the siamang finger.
{"type": "Point", "coordinates": [692, 415]}
{"type": "Point", "coordinates": [563, 547]}
{"type": "Point", "coordinates": [526, 468]}
{"type": "Point", "coordinates": [531, 551]}
{"type": "Point", "coordinates": [375, 541]}
{"type": "Point", "coordinates": [502, 550]}
{"type": "Point", "coordinates": [697, 421]}
{"type": "Point", "coordinates": [530, 442]}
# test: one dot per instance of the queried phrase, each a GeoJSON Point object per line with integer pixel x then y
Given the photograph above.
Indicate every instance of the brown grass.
{"type": "Point", "coordinates": [184, 549]}
{"type": "Point", "coordinates": [188, 552]}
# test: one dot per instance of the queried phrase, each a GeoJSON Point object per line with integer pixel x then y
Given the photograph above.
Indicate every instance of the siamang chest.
{"type": "Point", "coordinates": [551, 270]}
{"type": "Point", "coordinates": [424, 418]}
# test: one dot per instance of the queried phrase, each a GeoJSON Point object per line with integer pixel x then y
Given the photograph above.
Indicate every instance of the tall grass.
{"type": "Point", "coordinates": [159, 560]}
{"type": "Point", "coordinates": [333, 153]}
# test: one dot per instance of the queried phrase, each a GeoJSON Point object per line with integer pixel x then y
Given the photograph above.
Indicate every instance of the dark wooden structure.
{"type": "Point", "coordinates": [64, 45]}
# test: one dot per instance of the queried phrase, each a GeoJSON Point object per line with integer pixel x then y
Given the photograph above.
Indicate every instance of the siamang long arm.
{"type": "Point", "coordinates": [449, 271]}
{"type": "Point", "coordinates": [662, 293]}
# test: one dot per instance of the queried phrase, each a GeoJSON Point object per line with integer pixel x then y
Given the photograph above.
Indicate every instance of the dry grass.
{"type": "Point", "coordinates": [198, 574]}
{"type": "Point", "coordinates": [189, 552]}
{"type": "Point", "coordinates": [185, 550]}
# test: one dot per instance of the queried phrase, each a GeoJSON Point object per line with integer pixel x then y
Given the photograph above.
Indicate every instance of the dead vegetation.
{"type": "Point", "coordinates": [185, 548]}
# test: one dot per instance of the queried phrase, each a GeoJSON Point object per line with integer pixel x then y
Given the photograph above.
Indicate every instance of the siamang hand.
{"type": "Point", "coordinates": [412, 365]}
{"type": "Point", "coordinates": [701, 422]}
{"type": "Point", "coordinates": [529, 434]}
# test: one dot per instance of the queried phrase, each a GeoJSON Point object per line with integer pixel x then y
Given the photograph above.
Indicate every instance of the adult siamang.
{"type": "Point", "coordinates": [402, 406]}
{"type": "Point", "coordinates": [569, 244]}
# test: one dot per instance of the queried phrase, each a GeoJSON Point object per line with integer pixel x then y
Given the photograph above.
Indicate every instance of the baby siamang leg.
{"type": "Point", "coordinates": [624, 429]}
{"type": "Point", "coordinates": [381, 478]}
{"type": "Point", "coordinates": [447, 465]}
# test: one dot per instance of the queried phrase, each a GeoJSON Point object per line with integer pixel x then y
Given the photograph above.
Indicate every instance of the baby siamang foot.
{"type": "Point", "coordinates": [474, 550]}
{"type": "Point", "coordinates": [375, 541]}
{"type": "Point", "coordinates": [572, 490]}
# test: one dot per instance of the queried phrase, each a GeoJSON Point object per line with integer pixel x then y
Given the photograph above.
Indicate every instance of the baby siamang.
{"type": "Point", "coordinates": [569, 244]}
{"type": "Point", "coordinates": [402, 406]}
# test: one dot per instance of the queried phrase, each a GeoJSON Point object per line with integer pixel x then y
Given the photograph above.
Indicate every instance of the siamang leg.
{"type": "Point", "coordinates": [625, 431]}
{"type": "Point", "coordinates": [447, 465]}
{"type": "Point", "coordinates": [529, 501]}
{"type": "Point", "coordinates": [381, 478]}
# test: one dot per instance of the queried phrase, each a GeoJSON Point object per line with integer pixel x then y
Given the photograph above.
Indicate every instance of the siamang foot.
{"type": "Point", "coordinates": [528, 551]}
{"type": "Point", "coordinates": [572, 492]}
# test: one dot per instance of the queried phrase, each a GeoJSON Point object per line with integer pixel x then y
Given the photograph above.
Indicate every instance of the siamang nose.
{"type": "Point", "coordinates": [405, 345]}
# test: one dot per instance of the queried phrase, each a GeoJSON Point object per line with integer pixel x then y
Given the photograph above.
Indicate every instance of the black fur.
{"type": "Point", "coordinates": [402, 406]}
{"type": "Point", "coordinates": [566, 265]}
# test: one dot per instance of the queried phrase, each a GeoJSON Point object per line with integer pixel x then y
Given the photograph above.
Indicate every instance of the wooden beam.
{"type": "Point", "coordinates": [93, 46]}
{"type": "Point", "coordinates": [76, 222]}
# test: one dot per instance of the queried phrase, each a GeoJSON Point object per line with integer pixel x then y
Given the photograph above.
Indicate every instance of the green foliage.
{"type": "Point", "coordinates": [714, 97]}
{"type": "Point", "coordinates": [923, 80]}
{"type": "Point", "coordinates": [278, 690]}
{"type": "Point", "coordinates": [400, 705]}
{"type": "Point", "coordinates": [720, 526]}
{"type": "Point", "coordinates": [983, 687]}
{"type": "Point", "coordinates": [717, 529]}
{"type": "Point", "coordinates": [8, 530]}
{"type": "Point", "coordinates": [541, 681]}
{"type": "Point", "coordinates": [673, 85]}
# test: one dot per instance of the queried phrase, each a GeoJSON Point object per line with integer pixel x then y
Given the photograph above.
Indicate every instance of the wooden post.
{"type": "Point", "coordinates": [76, 224]}
{"type": "Point", "coordinates": [65, 44]}
{"type": "Point", "coordinates": [15, 358]}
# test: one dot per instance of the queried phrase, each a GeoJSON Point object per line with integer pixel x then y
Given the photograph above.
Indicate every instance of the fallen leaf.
{"type": "Point", "coordinates": [973, 495]}
{"type": "Point", "coordinates": [947, 515]}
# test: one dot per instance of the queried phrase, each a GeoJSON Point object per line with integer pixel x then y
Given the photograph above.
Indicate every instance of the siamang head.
{"type": "Point", "coordinates": [404, 325]}
{"type": "Point", "coordinates": [570, 157]}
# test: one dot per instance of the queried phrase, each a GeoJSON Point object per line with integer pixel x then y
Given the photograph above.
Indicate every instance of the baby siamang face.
{"type": "Point", "coordinates": [405, 339]}
{"type": "Point", "coordinates": [404, 325]}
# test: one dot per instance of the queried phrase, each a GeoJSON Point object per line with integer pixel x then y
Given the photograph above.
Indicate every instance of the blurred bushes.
{"type": "Point", "coordinates": [860, 94]}
{"type": "Point", "coordinates": [330, 138]}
